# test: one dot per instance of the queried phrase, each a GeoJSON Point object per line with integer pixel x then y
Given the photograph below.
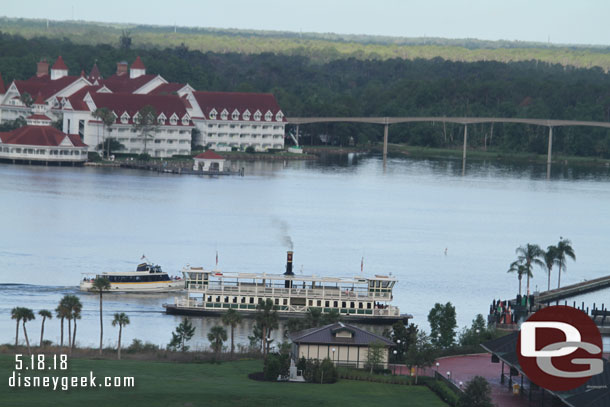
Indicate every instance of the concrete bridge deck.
{"type": "Point", "coordinates": [574, 290]}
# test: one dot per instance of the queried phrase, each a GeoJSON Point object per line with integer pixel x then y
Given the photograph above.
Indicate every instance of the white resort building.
{"type": "Point", "coordinates": [225, 120]}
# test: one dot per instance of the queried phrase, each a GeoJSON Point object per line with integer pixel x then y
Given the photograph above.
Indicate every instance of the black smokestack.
{"type": "Point", "coordinates": [288, 283]}
{"type": "Point", "coordinates": [289, 264]}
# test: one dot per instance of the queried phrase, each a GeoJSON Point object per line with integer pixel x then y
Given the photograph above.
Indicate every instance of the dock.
{"type": "Point", "coordinates": [166, 168]}
{"type": "Point", "coordinates": [573, 290]}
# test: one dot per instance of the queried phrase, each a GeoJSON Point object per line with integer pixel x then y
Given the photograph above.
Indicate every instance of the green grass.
{"type": "Point", "coordinates": [209, 385]}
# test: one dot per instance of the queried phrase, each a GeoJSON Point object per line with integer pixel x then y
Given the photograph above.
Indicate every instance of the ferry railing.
{"type": "Point", "coordinates": [316, 293]}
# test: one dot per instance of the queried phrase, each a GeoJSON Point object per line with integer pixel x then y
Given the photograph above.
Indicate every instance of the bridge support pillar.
{"type": "Point", "coordinates": [465, 142]}
{"type": "Point", "coordinates": [385, 142]}
{"type": "Point", "coordinates": [550, 150]}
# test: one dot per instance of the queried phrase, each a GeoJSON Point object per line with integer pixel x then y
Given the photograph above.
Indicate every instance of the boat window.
{"type": "Point", "coordinates": [243, 300]}
{"type": "Point", "coordinates": [327, 303]}
{"type": "Point", "coordinates": [319, 303]}
{"type": "Point", "coordinates": [234, 300]}
{"type": "Point", "coordinates": [360, 305]}
{"type": "Point", "coordinates": [226, 299]}
{"type": "Point", "coordinates": [352, 305]}
{"type": "Point", "coordinates": [218, 299]}
{"type": "Point", "coordinates": [251, 300]}
{"type": "Point", "coordinates": [343, 304]}
{"type": "Point", "coordinates": [368, 305]}
{"type": "Point", "coordinates": [385, 284]}
{"type": "Point", "coordinates": [285, 301]}
{"type": "Point", "coordinates": [336, 304]}
{"type": "Point", "coordinates": [209, 298]}
{"type": "Point", "coordinates": [311, 303]}
{"type": "Point", "coordinates": [277, 301]}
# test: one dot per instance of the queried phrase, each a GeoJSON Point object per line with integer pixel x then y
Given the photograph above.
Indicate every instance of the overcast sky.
{"type": "Point", "coordinates": [561, 21]}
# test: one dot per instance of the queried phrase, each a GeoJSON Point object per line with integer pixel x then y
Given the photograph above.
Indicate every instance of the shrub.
{"type": "Point", "coordinates": [137, 346]}
{"type": "Point", "coordinates": [276, 365]}
{"type": "Point", "coordinates": [93, 157]}
{"type": "Point", "coordinates": [144, 157]}
{"type": "Point", "coordinates": [316, 372]}
{"type": "Point", "coordinates": [443, 391]}
{"type": "Point", "coordinates": [250, 150]}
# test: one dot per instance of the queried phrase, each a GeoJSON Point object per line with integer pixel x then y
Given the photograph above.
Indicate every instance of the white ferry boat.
{"type": "Point", "coordinates": [212, 292]}
{"type": "Point", "coordinates": [147, 278]}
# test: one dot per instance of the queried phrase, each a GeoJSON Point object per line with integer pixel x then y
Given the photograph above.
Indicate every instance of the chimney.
{"type": "Point", "coordinates": [121, 68]}
{"type": "Point", "coordinates": [288, 283]}
{"type": "Point", "coordinates": [42, 68]}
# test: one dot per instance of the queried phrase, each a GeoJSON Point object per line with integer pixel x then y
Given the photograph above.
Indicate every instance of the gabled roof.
{"type": "Point", "coordinates": [39, 100]}
{"type": "Point", "coordinates": [39, 117]}
{"type": "Point", "coordinates": [209, 155]}
{"type": "Point", "coordinates": [44, 85]}
{"type": "Point", "coordinates": [125, 84]}
{"type": "Point", "coordinates": [326, 335]}
{"type": "Point", "coordinates": [236, 100]}
{"type": "Point", "coordinates": [170, 88]}
{"type": "Point", "coordinates": [132, 103]}
{"type": "Point", "coordinates": [94, 74]}
{"type": "Point", "coordinates": [59, 64]}
{"type": "Point", "coordinates": [138, 64]}
{"type": "Point", "coordinates": [76, 99]}
{"type": "Point", "coordinates": [44, 136]}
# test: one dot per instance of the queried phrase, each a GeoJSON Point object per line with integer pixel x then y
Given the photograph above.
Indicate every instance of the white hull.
{"type": "Point", "coordinates": [148, 287]}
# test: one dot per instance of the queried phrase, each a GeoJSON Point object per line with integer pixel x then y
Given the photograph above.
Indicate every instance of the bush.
{"type": "Point", "coordinates": [443, 391]}
{"type": "Point", "coordinates": [144, 157]}
{"type": "Point", "coordinates": [93, 157]}
{"type": "Point", "coordinates": [316, 372]}
{"type": "Point", "coordinates": [137, 346]}
{"type": "Point", "coordinates": [250, 150]}
{"type": "Point", "coordinates": [276, 365]}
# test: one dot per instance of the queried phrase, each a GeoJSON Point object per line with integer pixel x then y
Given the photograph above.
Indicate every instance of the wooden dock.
{"type": "Point", "coordinates": [573, 290]}
{"type": "Point", "coordinates": [175, 169]}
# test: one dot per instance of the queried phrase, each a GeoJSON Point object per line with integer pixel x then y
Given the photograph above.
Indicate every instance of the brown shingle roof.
{"type": "Point", "coordinates": [327, 335]}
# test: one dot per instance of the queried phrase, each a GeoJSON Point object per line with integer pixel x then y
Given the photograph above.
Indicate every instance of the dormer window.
{"type": "Point", "coordinates": [173, 120]}
{"type": "Point", "coordinates": [268, 116]}
{"type": "Point", "coordinates": [125, 118]}
{"type": "Point", "coordinates": [257, 115]}
{"type": "Point", "coordinates": [235, 115]}
{"type": "Point", "coordinates": [136, 118]}
{"type": "Point", "coordinates": [279, 116]}
{"type": "Point", "coordinates": [185, 120]}
{"type": "Point", "coordinates": [246, 115]}
{"type": "Point", "coordinates": [161, 119]}
{"type": "Point", "coordinates": [213, 114]}
{"type": "Point", "coordinates": [224, 114]}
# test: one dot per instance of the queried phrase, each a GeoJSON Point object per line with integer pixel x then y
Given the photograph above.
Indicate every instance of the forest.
{"type": "Point", "coordinates": [367, 87]}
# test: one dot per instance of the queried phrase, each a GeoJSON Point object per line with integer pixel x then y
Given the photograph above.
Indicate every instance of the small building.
{"type": "Point", "coordinates": [209, 161]}
{"type": "Point", "coordinates": [345, 345]}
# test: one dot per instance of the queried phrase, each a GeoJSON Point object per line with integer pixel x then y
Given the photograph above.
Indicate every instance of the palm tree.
{"type": "Point", "coordinates": [61, 313]}
{"type": "Point", "coordinates": [100, 285]}
{"type": "Point", "coordinates": [231, 318]}
{"type": "Point", "coordinates": [267, 320]}
{"type": "Point", "coordinates": [107, 118]}
{"type": "Point", "coordinates": [75, 315]}
{"type": "Point", "coordinates": [550, 258]}
{"type": "Point", "coordinates": [529, 255]}
{"type": "Point", "coordinates": [216, 337]}
{"type": "Point", "coordinates": [16, 314]}
{"type": "Point", "coordinates": [564, 247]}
{"type": "Point", "coordinates": [26, 315]}
{"type": "Point", "coordinates": [520, 269]}
{"type": "Point", "coordinates": [44, 313]}
{"type": "Point", "coordinates": [120, 319]}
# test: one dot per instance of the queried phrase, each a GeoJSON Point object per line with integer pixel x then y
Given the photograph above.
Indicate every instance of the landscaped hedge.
{"type": "Point", "coordinates": [441, 390]}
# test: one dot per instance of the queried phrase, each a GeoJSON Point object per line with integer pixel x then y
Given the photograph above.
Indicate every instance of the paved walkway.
{"type": "Point", "coordinates": [464, 368]}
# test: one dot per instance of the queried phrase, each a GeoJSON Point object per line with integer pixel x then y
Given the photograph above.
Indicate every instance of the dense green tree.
{"type": "Point", "coordinates": [267, 320]}
{"type": "Point", "coordinates": [476, 394]}
{"type": "Point", "coordinates": [217, 336]}
{"type": "Point", "coordinates": [183, 333]}
{"type": "Point", "coordinates": [231, 318]}
{"type": "Point", "coordinates": [421, 353]}
{"type": "Point", "coordinates": [442, 320]}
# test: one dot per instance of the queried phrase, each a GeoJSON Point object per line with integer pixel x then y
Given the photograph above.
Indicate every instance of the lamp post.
{"type": "Point", "coordinates": [437, 365]}
{"type": "Point", "coordinates": [334, 355]}
{"type": "Point", "coordinates": [395, 352]}
{"type": "Point", "coordinates": [449, 375]}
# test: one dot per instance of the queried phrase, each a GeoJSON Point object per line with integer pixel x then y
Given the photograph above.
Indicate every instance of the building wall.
{"type": "Point", "coordinates": [346, 355]}
{"type": "Point", "coordinates": [261, 135]}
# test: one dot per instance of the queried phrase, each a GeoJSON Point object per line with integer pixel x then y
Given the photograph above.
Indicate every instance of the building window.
{"type": "Point", "coordinates": [258, 115]}
{"type": "Point", "coordinates": [268, 116]}
{"type": "Point", "coordinates": [279, 116]}
{"type": "Point", "coordinates": [213, 114]}
{"type": "Point", "coordinates": [185, 121]}
{"type": "Point", "coordinates": [173, 120]}
{"type": "Point", "coordinates": [235, 115]}
{"type": "Point", "coordinates": [124, 118]}
{"type": "Point", "coordinates": [246, 115]}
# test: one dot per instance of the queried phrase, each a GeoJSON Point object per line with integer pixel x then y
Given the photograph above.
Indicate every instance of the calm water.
{"type": "Point", "coordinates": [60, 222]}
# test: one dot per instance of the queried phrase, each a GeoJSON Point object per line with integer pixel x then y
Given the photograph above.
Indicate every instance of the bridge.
{"type": "Point", "coordinates": [573, 290]}
{"type": "Point", "coordinates": [465, 121]}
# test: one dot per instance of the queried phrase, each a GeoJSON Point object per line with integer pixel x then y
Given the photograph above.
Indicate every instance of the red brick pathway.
{"type": "Point", "coordinates": [464, 368]}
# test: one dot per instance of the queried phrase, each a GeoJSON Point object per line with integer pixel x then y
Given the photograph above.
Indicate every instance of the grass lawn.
{"type": "Point", "coordinates": [193, 385]}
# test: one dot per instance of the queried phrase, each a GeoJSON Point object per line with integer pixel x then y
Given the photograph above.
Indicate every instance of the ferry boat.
{"type": "Point", "coordinates": [147, 278]}
{"type": "Point", "coordinates": [360, 299]}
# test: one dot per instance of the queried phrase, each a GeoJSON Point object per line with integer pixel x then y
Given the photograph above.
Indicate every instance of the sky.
{"type": "Point", "coordinates": [557, 21]}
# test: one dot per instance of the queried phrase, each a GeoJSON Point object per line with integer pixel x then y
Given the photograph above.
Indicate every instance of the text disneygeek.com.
{"type": "Point", "coordinates": [23, 364]}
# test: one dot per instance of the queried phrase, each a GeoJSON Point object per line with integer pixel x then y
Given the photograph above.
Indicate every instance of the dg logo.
{"type": "Point", "coordinates": [560, 348]}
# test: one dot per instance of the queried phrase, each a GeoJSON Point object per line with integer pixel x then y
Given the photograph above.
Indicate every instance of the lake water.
{"type": "Point", "coordinates": [60, 222]}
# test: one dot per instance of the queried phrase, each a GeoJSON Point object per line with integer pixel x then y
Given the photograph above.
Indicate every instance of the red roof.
{"type": "Point", "coordinates": [125, 84]}
{"type": "Point", "coordinates": [138, 64]}
{"type": "Point", "coordinates": [167, 88]}
{"type": "Point", "coordinates": [44, 85]}
{"type": "Point", "coordinates": [2, 88]}
{"type": "Point", "coordinates": [240, 101]}
{"type": "Point", "coordinates": [39, 100]}
{"type": "Point", "coordinates": [210, 155]}
{"type": "Point", "coordinates": [59, 64]}
{"type": "Point", "coordinates": [45, 136]}
{"type": "Point", "coordinates": [76, 99]}
{"type": "Point", "coordinates": [38, 117]}
{"type": "Point", "coordinates": [94, 74]}
{"type": "Point", "coordinates": [132, 103]}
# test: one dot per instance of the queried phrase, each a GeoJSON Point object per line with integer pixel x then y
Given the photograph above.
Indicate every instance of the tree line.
{"type": "Point", "coordinates": [355, 87]}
